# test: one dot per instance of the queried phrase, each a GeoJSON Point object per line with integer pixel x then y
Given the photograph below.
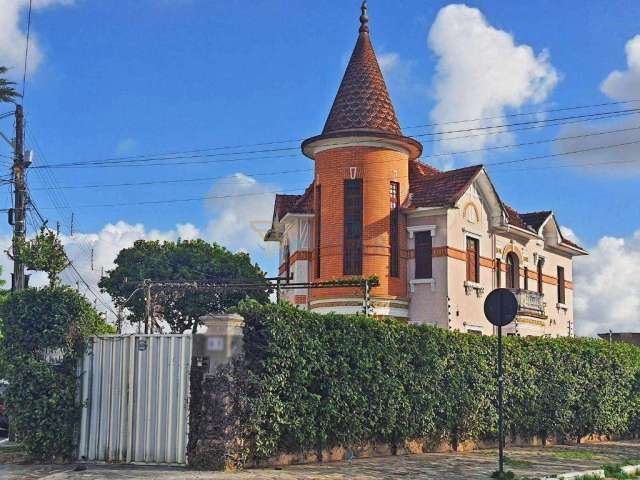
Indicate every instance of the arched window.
{"type": "Point", "coordinates": [513, 271]}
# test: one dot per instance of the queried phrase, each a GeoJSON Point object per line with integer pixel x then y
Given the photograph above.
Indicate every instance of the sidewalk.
{"type": "Point", "coordinates": [530, 462]}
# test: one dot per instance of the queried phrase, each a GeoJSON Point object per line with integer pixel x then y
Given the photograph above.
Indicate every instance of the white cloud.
{"type": "Point", "coordinates": [481, 72]}
{"type": "Point", "coordinates": [125, 146]}
{"type": "Point", "coordinates": [238, 222]}
{"type": "Point", "coordinates": [388, 62]}
{"type": "Point", "coordinates": [570, 235]}
{"type": "Point", "coordinates": [13, 36]}
{"type": "Point", "coordinates": [607, 286]}
{"type": "Point", "coordinates": [600, 157]}
{"type": "Point", "coordinates": [604, 159]}
{"type": "Point", "coordinates": [399, 75]}
{"type": "Point", "coordinates": [242, 220]}
{"type": "Point", "coordinates": [625, 85]}
{"type": "Point", "coordinates": [105, 244]}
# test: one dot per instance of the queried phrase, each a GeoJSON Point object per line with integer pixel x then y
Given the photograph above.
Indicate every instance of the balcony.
{"type": "Point", "coordinates": [531, 304]}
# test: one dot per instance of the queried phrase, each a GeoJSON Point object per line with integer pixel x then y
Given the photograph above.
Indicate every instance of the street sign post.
{"type": "Point", "coordinates": [500, 308]}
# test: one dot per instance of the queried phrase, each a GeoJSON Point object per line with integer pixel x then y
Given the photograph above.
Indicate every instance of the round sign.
{"type": "Point", "coordinates": [501, 307]}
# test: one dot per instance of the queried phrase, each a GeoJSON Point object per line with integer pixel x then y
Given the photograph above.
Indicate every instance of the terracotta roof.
{"type": "Point", "coordinates": [432, 188]}
{"type": "Point", "coordinates": [294, 203]}
{"type": "Point", "coordinates": [514, 218]}
{"type": "Point", "coordinates": [572, 244]}
{"type": "Point", "coordinates": [535, 219]}
{"type": "Point", "coordinates": [362, 101]}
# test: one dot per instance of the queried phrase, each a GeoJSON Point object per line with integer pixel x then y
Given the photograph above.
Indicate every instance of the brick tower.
{"type": "Point", "coordinates": [361, 181]}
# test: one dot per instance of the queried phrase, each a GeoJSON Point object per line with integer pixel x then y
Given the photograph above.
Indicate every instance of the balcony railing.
{"type": "Point", "coordinates": [529, 302]}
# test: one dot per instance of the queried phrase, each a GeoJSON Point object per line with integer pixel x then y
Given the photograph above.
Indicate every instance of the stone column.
{"type": "Point", "coordinates": [222, 339]}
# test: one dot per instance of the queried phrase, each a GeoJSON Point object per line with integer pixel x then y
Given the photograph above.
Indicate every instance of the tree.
{"type": "Point", "coordinates": [182, 261]}
{"type": "Point", "coordinates": [45, 253]}
{"type": "Point", "coordinates": [7, 92]}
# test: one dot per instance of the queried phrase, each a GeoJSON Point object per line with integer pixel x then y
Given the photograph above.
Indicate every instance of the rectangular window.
{"type": "Point", "coordinates": [498, 273]}
{"type": "Point", "coordinates": [394, 213]}
{"type": "Point", "coordinates": [318, 225]}
{"type": "Point", "coordinates": [352, 254]}
{"type": "Point", "coordinates": [473, 260]}
{"type": "Point", "coordinates": [287, 263]}
{"type": "Point", "coordinates": [539, 279]}
{"type": "Point", "coordinates": [526, 278]}
{"type": "Point", "coordinates": [423, 249]}
{"type": "Point", "coordinates": [561, 292]}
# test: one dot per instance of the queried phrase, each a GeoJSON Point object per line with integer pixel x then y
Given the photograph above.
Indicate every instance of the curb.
{"type": "Point", "coordinates": [630, 469]}
{"type": "Point", "coordinates": [575, 475]}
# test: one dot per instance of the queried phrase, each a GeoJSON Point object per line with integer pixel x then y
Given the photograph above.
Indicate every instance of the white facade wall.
{"type": "Point", "coordinates": [454, 303]}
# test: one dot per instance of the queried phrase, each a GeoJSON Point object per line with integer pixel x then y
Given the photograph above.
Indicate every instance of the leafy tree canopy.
{"type": "Point", "coordinates": [7, 92]}
{"type": "Point", "coordinates": [45, 253]}
{"type": "Point", "coordinates": [193, 260]}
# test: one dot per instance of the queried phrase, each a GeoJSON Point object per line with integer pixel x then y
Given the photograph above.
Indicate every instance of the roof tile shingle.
{"type": "Point", "coordinates": [362, 101]}
{"type": "Point", "coordinates": [433, 188]}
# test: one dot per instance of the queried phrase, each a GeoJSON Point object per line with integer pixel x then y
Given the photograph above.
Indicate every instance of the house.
{"type": "Point", "coordinates": [439, 241]}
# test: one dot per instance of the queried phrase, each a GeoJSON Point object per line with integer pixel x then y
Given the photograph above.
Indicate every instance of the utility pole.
{"type": "Point", "coordinates": [20, 201]}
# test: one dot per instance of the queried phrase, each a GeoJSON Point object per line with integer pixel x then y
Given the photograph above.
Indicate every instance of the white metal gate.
{"type": "Point", "coordinates": [135, 391]}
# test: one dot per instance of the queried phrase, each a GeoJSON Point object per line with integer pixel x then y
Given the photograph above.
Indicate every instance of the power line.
{"type": "Point", "coordinates": [488, 130]}
{"type": "Point", "coordinates": [553, 155]}
{"type": "Point", "coordinates": [519, 114]}
{"type": "Point", "coordinates": [26, 51]}
{"type": "Point", "coordinates": [209, 197]}
{"type": "Point", "coordinates": [190, 199]}
{"type": "Point", "coordinates": [306, 170]}
{"type": "Point", "coordinates": [183, 180]}
{"type": "Point", "coordinates": [573, 165]}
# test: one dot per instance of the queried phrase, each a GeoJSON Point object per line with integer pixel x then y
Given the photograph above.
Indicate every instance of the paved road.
{"type": "Point", "coordinates": [530, 462]}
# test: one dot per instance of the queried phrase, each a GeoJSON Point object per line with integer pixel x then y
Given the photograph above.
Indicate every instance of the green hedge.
{"type": "Point", "coordinates": [42, 396]}
{"type": "Point", "coordinates": [312, 382]}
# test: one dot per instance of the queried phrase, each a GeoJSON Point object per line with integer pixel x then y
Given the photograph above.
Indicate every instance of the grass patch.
{"type": "Point", "coordinates": [11, 449]}
{"type": "Point", "coordinates": [615, 471]}
{"type": "Point", "coordinates": [575, 455]}
{"type": "Point", "coordinates": [516, 463]}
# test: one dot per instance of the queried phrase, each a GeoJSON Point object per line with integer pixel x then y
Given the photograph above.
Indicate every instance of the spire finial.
{"type": "Point", "coordinates": [364, 19]}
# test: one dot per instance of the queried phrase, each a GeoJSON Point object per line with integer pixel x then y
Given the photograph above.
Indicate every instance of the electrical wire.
{"type": "Point", "coordinates": [26, 51]}
{"type": "Point", "coordinates": [306, 170]}
{"type": "Point", "coordinates": [488, 130]}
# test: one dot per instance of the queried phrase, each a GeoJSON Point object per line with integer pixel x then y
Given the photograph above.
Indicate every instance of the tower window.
{"type": "Point", "coordinates": [394, 198]}
{"type": "Point", "coordinates": [498, 273]}
{"type": "Point", "coordinates": [526, 278]}
{"type": "Point", "coordinates": [423, 249]}
{"type": "Point", "coordinates": [352, 254]}
{"type": "Point", "coordinates": [318, 229]}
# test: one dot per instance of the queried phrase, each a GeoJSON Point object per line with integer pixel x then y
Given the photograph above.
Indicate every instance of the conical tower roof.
{"type": "Point", "coordinates": [362, 107]}
{"type": "Point", "coordinates": [362, 102]}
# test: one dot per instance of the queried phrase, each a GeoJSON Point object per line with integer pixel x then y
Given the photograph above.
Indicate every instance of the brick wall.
{"type": "Point", "coordinates": [377, 167]}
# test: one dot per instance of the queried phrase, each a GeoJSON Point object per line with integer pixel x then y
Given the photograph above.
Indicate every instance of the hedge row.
{"type": "Point", "coordinates": [42, 396]}
{"type": "Point", "coordinates": [310, 382]}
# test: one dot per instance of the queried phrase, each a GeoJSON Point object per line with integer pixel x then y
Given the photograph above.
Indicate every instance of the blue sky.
{"type": "Point", "coordinates": [112, 79]}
